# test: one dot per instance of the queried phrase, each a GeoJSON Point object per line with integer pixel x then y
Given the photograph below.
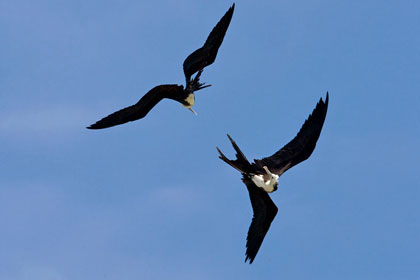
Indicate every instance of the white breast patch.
{"type": "Point", "coordinates": [267, 186]}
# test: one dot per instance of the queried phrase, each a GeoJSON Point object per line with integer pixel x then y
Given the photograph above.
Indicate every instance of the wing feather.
{"type": "Point", "coordinates": [206, 55]}
{"type": "Point", "coordinates": [264, 213]}
{"type": "Point", "coordinates": [302, 146]}
{"type": "Point", "coordinates": [215, 38]}
{"type": "Point", "coordinates": [141, 108]}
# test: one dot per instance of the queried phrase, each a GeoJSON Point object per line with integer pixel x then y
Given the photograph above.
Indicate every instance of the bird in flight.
{"type": "Point", "coordinates": [261, 177]}
{"type": "Point", "coordinates": [194, 63]}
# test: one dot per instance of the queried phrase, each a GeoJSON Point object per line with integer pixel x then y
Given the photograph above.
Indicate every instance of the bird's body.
{"type": "Point", "coordinates": [268, 182]}
{"type": "Point", "coordinates": [194, 63]}
{"type": "Point", "coordinates": [261, 176]}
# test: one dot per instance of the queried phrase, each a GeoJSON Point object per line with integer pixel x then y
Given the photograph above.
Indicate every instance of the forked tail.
{"type": "Point", "coordinates": [241, 163]}
{"type": "Point", "coordinates": [194, 85]}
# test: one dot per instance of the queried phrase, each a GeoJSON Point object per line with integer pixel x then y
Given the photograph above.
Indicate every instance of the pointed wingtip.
{"type": "Point", "coordinates": [326, 99]}
{"type": "Point", "coordinates": [229, 12]}
{"type": "Point", "coordinates": [93, 126]}
{"type": "Point", "coordinates": [248, 258]}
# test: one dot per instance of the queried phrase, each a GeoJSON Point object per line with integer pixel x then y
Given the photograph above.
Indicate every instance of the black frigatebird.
{"type": "Point", "coordinates": [261, 176]}
{"type": "Point", "coordinates": [194, 63]}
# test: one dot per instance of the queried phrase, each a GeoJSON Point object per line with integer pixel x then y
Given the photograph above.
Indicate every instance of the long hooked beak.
{"type": "Point", "coordinates": [191, 109]}
{"type": "Point", "coordinates": [268, 171]}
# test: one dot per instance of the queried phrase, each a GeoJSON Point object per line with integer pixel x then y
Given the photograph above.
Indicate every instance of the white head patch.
{"type": "Point", "coordinates": [190, 100]}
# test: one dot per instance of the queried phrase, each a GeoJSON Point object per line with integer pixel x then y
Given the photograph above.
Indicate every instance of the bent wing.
{"type": "Point", "coordinates": [140, 109]}
{"type": "Point", "coordinates": [264, 212]}
{"type": "Point", "coordinates": [302, 146]}
{"type": "Point", "coordinates": [206, 55]}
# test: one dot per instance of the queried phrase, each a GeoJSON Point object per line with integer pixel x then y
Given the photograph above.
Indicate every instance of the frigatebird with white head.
{"type": "Point", "coordinates": [261, 177]}
{"type": "Point", "coordinates": [194, 63]}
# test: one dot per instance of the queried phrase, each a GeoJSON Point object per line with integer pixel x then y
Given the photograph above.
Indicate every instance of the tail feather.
{"type": "Point", "coordinates": [239, 154]}
{"type": "Point", "coordinates": [241, 163]}
{"type": "Point", "coordinates": [195, 84]}
{"type": "Point", "coordinates": [228, 161]}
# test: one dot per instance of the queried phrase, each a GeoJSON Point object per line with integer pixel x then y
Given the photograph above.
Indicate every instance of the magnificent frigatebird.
{"type": "Point", "coordinates": [261, 177]}
{"type": "Point", "coordinates": [194, 63]}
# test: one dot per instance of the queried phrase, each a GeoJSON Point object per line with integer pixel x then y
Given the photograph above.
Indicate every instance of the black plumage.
{"type": "Point", "coordinates": [194, 63]}
{"type": "Point", "coordinates": [142, 107]}
{"type": "Point", "coordinates": [296, 151]}
{"type": "Point", "coordinates": [148, 101]}
{"type": "Point", "coordinates": [206, 55]}
{"type": "Point", "coordinates": [264, 212]}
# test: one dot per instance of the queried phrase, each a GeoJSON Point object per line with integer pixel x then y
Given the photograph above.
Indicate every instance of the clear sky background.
{"type": "Point", "coordinates": [151, 199]}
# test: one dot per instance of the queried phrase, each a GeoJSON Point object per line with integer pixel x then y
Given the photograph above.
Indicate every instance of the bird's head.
{"type": "Point", "coordinates": [189, 101]}
{"type": "Point", "coordinates": [193, 85]}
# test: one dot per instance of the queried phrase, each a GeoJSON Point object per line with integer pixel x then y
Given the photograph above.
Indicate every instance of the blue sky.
{"type": "Point", "coordinates": [151, 199]}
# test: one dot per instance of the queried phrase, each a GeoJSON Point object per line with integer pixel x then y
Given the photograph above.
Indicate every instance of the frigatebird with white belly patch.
{"type": "Point", "coordinates": [194, 63]}
{"type": "Point", "coordinates": [261, 177]}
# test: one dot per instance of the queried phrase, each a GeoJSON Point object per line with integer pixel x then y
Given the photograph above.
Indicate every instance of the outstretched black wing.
{"type": "Point", "coordinates": [141, 108]}
{"type": "Point", "coordinates": [206, 55]}
{"type": "Point", "coordinates": [302, 146]}
{"type": "Point", "coordinates": [264, 212]}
